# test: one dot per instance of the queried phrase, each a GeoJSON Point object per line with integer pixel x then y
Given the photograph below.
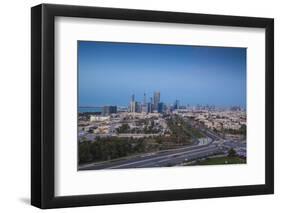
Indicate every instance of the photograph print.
{"type": "Point", "coordinates": [160, 105]}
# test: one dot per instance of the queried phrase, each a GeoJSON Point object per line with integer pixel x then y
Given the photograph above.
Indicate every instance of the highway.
{"type": "Point", "coordinates": [166, 158]}
{"type": "Point", "coordinates": [158, 159]}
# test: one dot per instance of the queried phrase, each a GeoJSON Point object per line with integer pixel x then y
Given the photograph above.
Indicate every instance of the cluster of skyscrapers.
{"type": "Point", "coordinates": [154, 105]}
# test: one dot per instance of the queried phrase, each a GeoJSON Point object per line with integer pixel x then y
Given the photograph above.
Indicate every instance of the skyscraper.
{"type": "Point", "coordinates": [144, 99]}
{"type": "Point", "coordinates": [177, 104]}
{"type": "Point", "coordinates": [149, 107]}
{"type": "Point", "coordinates": [156, 100]}
{"type": "Point", "coordinates": [144, 105]}
{"type": "Point", "coordinates": [138, 106]}
{"type": "Point", "coordinates": [160, 108]}
{"type": "Point", "coordinates": [133, 104]}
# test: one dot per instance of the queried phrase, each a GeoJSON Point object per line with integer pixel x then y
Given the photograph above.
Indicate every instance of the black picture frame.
{"type": "Point", "coordinates": [43, 110]}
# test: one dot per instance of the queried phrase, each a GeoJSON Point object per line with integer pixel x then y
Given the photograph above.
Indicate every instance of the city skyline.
{"type": "Point", "coordinates": [194, 75]}
{"type": "Point", "coordinates": [141, 104]}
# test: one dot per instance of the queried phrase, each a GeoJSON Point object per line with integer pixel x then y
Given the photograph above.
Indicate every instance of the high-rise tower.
{"type": "Point", "coordinates": [177, 104]}
{"type": "Point", "coordinates": [144, 105]}
{"type": "Point", "coordinates": [144, 99]}
{"type": "Point", "coordinates": [133, 104]}
{"type": "Point", "coordinates": [156, 100]}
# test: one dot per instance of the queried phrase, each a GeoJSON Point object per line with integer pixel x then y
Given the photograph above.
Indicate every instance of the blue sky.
{"type": "Point", "coordinates": [109, 73]}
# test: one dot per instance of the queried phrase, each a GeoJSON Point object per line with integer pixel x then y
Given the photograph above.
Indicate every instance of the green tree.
{"type": "Point", "coordinates": [232, 153]}
{"type": "Point", "coordinates": [84, 152]}
{"type": "Point", "coordinates": [243, 129]}
{"type": "Point", "coordinates": [125, 128]}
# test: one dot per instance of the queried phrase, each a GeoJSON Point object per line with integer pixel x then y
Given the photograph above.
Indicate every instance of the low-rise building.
{"type": "Point", "coordinates": [94, 118]}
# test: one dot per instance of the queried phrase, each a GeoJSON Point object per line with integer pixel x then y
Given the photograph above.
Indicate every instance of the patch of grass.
{"type": "Point", "coordinates": [195, 132]}
{"type": "Point", "coordinates": [221, 160]}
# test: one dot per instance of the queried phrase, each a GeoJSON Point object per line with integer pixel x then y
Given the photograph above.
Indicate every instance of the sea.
{"type": "Point", "coordinates": [90, 109]}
